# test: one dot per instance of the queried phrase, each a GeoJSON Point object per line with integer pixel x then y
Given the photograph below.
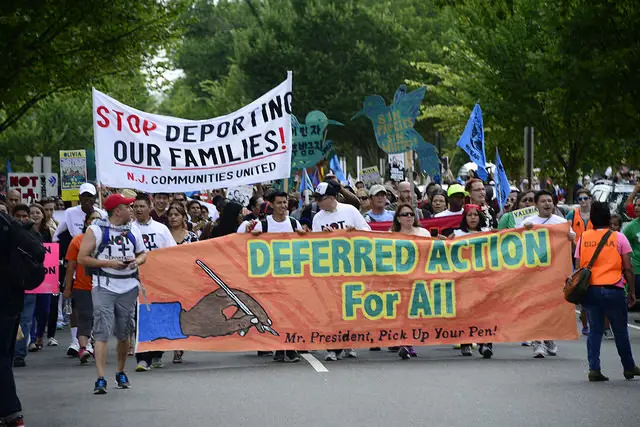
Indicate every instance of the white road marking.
{"type": "Point", "coordinates": [628, 324]}
{"type": "Point", "coordinates": [317, 365]}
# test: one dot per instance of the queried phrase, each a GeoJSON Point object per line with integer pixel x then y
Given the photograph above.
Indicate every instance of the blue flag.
{"type": "Point", "coordinates": [503, 189]}
{"type": "Point", "coordinates": [472, 141]}
{"type": "Point", "coordinates": [305, 184]}
{"type": "Point", "coordinates": [334, 165]}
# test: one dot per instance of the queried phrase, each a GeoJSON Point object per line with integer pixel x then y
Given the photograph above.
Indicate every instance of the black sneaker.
{"type": "Point", "coordinates": [291, 356]}
{"type": "Point", "coordinates": [279, 356]}
{"type": "Point", "coordinates": [486, 350]}
{"type": "Point", "coordinates": [265, 353]}
{"type": "Point", "coordinates": [394, 349]}
{"type": "Point", "coordinates": [19, 362]}
{"type": "Point", "coordinates": [122, 380]}
{"type": "Point", "coordinates": [465, 349]}
{"type": "Point", "coordinates": [597, 376]}
{"type": "Point", "coordinates": [374, 349]}
{"type": "Point", "coordinates": [101, 386]}
{"type": "Point", "coordinates": [404, 353]}
{"type": "Point", "coordinates": [635, 372]}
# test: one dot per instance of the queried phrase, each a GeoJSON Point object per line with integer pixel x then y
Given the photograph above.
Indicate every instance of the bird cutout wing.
{"type": "Point", "coordinates": [428, 158]}
{"type": "Point", "coordinates": [400, 93]}
{"type": "Point", "coordinates": [409, 103]}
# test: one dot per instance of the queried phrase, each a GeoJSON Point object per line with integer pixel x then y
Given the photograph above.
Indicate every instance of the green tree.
{"type": "Point", "coordinates": [64, 121]}
{"type": "Point", "coordinates": [339, 52]}
{"type": "Point", "coordinates": [565, 68]}
{"type": "Point", "coordinates": [48, 47]}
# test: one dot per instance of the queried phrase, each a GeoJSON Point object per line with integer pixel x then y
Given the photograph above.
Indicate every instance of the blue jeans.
{"type": "Point", "coordinates": [40, 316]}
{"type": "Point", "coordinates": [26, 318]}
{"type": "Point", "coordinates": [611, 302]}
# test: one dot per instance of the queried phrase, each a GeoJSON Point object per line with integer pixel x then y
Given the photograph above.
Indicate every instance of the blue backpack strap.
{"type": "Point", "coordinates": [104, 241]}
{"type": "Point", "coordinates": [132, 239]}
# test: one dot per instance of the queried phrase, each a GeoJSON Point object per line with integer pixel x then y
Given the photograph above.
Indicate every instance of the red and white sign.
{"type": "Point", "coordinates": [33, 187]}
{"type": "Point", "coordinates": [154, 153]}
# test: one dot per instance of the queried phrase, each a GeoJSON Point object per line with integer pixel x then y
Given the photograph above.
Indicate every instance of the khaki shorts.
{"type": "Point", "coordinates": [113, 313]}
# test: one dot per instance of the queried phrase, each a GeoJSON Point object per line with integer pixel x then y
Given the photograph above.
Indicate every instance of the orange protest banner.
{"type": "Point", "coordinates": [356, 289]}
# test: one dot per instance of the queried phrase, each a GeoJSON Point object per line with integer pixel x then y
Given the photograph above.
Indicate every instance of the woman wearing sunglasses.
{"type": "Point", "coordinates": [405, 221]}
{"type": "Point", "coordinates": [580, 219]}
{"type": "Point", "coordinates": [524, 200]}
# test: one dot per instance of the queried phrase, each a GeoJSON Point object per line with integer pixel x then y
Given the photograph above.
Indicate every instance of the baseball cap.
{"type": "Point", "coordinates": [455, 189]}
{"type": "Point", "coordinates": [116, 200]}
{"type": "Point", "coordinates": [326, 189]}
{"type": "Point", "coordinates": [88, 188]}
{"type": "Point", "coordinates": [375, 189]}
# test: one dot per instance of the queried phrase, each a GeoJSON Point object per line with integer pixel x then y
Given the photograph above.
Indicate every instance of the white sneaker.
{"type": "Point", "coordinates": [90, 348]}
{"type": "Point", "coordinates": [608, 334]}
{"type": "Point", "coordinates": [551, 347]}
{"type": "Point", "coordinates": [73, 349]}
{"type": "Point", "coordinates": [156, 362]}
{"type": "Point", "coordinates": [539, 351]}
{"type": "Point", "coordinates": [350, 352]}
{"type": "Point", "coordinates": [52, 342]}
{"type": "Point", "coordinates": [143, 367]}
{"type": "Point", "coordinates": [331, 356]}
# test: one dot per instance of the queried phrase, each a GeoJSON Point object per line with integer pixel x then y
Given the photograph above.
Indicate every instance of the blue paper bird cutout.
{"type": "Point", "coordinates": [393, 124]}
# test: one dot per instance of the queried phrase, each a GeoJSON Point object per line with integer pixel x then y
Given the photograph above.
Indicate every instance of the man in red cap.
{"type": "Point", "coordinates": [111, 252]}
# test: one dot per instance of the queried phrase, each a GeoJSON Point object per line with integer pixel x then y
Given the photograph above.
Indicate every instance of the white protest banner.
{"type": "Point", "coordinates": [370, 176]}
{"type": "Point", "coordinates": [240, 194]}
{"type": "Point", "coordinates": [156, 153]}
{"type": "Point", "coordinates": [396, 166]}
{"type": "Point", "coordinates": [521, 214]}
{"type": "Point", "coordinates": [34, 187]}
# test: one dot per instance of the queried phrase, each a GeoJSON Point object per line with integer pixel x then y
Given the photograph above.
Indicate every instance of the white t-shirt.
{"type": "Point", "coordinates": [448, 213]}
{"type": "Point", "coordinates": [552, 220]}
{"type": "Point", "coordinates": [155, 235]}
{"type": "Point", "coordinates": [120, 248]}
{"type": "Point", "coordinates": [273, 226]}
{"type": "Point", "coordinates": [343, 217]}
{"type": "Point", "coordinates": [74, 221]}
{"type": "Point", "coordinates": [421, 232]}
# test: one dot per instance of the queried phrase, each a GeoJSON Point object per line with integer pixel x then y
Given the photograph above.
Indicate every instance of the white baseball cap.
{"type": "Point", "coordinates": [88, 188]}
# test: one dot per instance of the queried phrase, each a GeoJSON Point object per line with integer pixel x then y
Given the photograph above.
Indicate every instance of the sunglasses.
{"type": "Point", "coordinates": [405, 214]}
{"type": "Point", "coordinates": [527, 199]}
{"type": "Point", "coordinates": [364, 198]}
{"type": "Point", "coordinates": [582, 199]}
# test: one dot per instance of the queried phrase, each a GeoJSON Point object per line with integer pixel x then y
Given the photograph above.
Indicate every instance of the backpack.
{"type": "Point", "coordinates": [265, 224]}
{"type": "Point", "coordinates": [26, 255]}
{"type": "Point", "coordinates": [102, 246]}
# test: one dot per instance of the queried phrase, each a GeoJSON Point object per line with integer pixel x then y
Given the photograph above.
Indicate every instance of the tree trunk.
{"type": "Point", "coordinates": [571, 173]}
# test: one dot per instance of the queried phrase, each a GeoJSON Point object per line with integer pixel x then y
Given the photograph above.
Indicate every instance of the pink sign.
{"type": "Point", "coordinates": [51, 265]}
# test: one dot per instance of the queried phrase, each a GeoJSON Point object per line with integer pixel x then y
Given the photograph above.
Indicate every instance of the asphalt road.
{"type": "Point", "coordinates": [439, 388]}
